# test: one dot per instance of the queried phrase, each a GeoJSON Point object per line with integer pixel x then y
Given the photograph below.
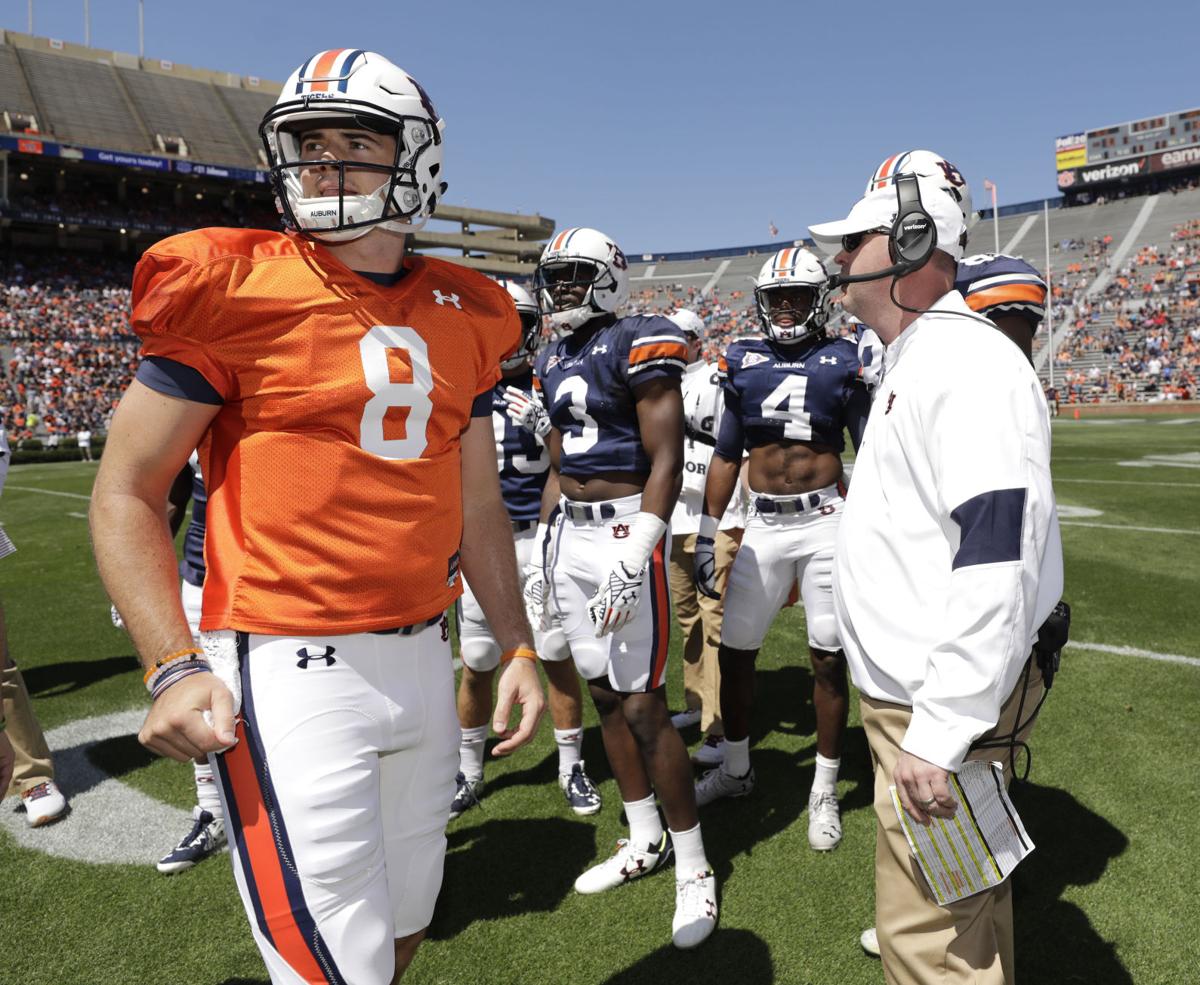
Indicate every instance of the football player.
{"type": "Point", "coordinates": [340, 395]}
{"type": "Point", "coordinates": [523, 462]}
{"type": "Point", "coordinates": [699, 616]}
{"type": "Point", "coordinates": [789, 397]}
{"type": "Point", "coordinates": [611, 389]}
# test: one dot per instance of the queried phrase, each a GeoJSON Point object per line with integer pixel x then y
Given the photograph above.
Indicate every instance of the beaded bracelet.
{"type": "Point", "coordinates": [169, 659]}
{"type": "Point", "coordinates": [518, 653]}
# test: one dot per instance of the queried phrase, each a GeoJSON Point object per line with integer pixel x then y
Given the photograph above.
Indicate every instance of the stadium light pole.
{"type": "Point", "coordinates": [141, 29]}
{"type": "Point", "coordinates": [87, 24]}
{"type": "Point", "coordinates": [991, 187]}
{"type": "Point", "coordinates": [1049, 288]}
{"type": "Point", "coordinates": [30, 16]}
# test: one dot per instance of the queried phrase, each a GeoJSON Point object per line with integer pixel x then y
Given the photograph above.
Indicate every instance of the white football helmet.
{"type": "Point", "coordinates": [531, 324]}
{"type": "Point", "coordinates": [927, 164]}
{"type": "Point", "coordinates": [350, 88]}
{"type": "Point", "coordinates": [580, 259]}
{"type": "Point", "coordinates": [793, 267]}
{"type": "Point", "coordinates": [687, 321]}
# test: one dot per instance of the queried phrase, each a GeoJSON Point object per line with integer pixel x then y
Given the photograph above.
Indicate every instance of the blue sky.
{"type": "Point", "coordinates": [684, 125]}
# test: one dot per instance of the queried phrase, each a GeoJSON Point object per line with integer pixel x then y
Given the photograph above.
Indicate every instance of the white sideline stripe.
{"type": "Point", "coordinates": [1121, 526]}
{"type": "Point", "coordinates": [48, 492]}
{"type": "Point", "coordinates": [1130, 651]}
{"type": "Point", "coordinates": [706, 290]}
{"type": "Point", "coordinates": [1131, 482]}
{"type": "Point", "coordinates": [1020, 233]}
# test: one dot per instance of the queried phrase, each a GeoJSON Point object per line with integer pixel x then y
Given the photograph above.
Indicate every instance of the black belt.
{"type": "Point", "coordinates": [589, 511]}
{"type": "Point", "coordinates": [519, 526]}
{"type": "Point", "coordinates": [701, 436]}
{"type": "Point", "coordinates": [408, 630]}
{"type": "Point", "coordinates": [798, 504]}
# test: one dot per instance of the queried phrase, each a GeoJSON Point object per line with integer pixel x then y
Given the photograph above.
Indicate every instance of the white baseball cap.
{"type": "Point", "coordinates": [877, 211]}
{"type": "Point", "coordinates": [688, 322]}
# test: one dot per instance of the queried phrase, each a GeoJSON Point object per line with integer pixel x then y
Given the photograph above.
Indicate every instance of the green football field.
{"type": "Point", "coordinates": [1113, 801]}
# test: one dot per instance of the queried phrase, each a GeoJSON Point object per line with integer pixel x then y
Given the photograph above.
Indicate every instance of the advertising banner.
{"type": "Point", "coordinates": [1070, 151]}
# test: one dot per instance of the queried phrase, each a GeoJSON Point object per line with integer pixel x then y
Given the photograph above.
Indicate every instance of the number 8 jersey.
{"type": "Point", "coordinates": [586, 381]}
{"type": "Point", "coordinates": [333, 466]}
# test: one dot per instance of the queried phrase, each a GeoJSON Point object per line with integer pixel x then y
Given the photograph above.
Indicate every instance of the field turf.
{"type": "Point", "coordinates": [1109, 896]}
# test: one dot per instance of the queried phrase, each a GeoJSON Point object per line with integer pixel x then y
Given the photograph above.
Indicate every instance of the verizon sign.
{"type": "Point", "coordinates": [1114, 171]}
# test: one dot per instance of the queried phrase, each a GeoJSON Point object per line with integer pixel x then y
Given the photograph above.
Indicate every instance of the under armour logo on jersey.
{"type": "Point", "coordinates": [829, 360]}
{"type": "Point", "coordinates": [620, 530]}
{"type": "Point", "coordinates": [441, 298]}
{"type": "Point", "coordinates": [305, 656]}
{"type": "Point", "coordinates": [891, 400]}
{"type": "Point", "coordinates": [753, 359]}
{"type": "Point", "coordinates": [600, 350]}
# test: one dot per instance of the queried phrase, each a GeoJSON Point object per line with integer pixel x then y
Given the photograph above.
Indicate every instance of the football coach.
{"type": "Point", "coordinates": [948, 559]}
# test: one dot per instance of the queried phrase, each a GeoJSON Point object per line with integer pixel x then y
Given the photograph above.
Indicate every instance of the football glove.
{"type": "Point", "coordinates": [616, 600]}
{"type": "Point", "coordinates": [526, 412]}
{"type": "Point", "coordinates": [117, 621]}
{"type": "Point", "coordinates": [534, 595]}
{"type": "Point", "coordinates": [704, 569]}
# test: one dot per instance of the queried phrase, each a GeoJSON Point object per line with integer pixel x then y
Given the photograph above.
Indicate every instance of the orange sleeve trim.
{"type": "Point", "coordinates": [1006, 294]}
{"type": "Point", "coordinates": [657, 350]}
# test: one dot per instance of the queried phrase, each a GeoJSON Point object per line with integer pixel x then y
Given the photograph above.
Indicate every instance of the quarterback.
{"type": "Point", "coordinates": [789, 397]}
{"type": "Point", "coordinates": [339, 394]}
{"type": "Point", "coordinates": [611, 389]}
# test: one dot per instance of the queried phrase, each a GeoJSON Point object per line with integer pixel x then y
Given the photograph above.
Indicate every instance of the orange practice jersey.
{"type": "Point", "coordinates": [333, 466]}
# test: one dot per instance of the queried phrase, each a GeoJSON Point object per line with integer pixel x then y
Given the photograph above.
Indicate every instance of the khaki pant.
{"type": "Point", "coordinates": [970, 941]}
{"type": "Point", "coordinates": [32, 764]}
{"type": "Point", "coordinates": [699, 620]}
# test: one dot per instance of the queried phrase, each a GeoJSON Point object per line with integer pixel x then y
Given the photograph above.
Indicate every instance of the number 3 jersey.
{"type": "Point", "coordinates": [333, 466]}
{"type": "Point", "coordinates": [808, 392]}
{"type": "Point", "coordinates": [587, 380]}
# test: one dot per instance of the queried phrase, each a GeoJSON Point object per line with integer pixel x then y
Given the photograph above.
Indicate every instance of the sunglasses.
{"type": "Point", "coordinates": [852, 241]}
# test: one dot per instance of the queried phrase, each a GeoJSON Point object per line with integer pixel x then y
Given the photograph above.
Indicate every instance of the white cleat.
{"type": "Point", "coordinates": [716, 784]}
{"type": "Point", "coordinates": [824, 822]}
{"type": "Point", "coordinates": [624, 865]}
{"type": "Point", "coordinates": [710, 752]}
{"type": "Point", "coordinates": [695, 909]}
{"type": "Point", "coordinates": [870, 942]}
{"type": "Point", "coordinates": [44, 804]}
{"type": "Point", "coordinates": [686, 719]}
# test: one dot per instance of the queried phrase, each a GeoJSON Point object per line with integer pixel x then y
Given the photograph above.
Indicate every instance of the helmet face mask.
{"type": "Point", "coordinates": [792, 295]}
{"type": "Point", "coordinates": [373, 96]}
{"type": "Point", "coordinates": [582, 275]}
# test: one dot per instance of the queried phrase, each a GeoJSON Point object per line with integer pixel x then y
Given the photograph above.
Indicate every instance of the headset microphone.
{"type": "Point", "coordinates": [912, 239]}
{"type": "Point", "coordinates": [895, 270]}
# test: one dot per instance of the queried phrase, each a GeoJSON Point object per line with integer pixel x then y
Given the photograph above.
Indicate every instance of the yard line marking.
{"type": "Point", "coordinates": [1121, 526]}
{"type": "Point", "coordinates": [1132, 482]}
{"type": "Point", "coordinates": [82, 516]}
{"type": "Point", "coordinates": [48, 492]}
{"type": "Point", "coordinates": [1131, 651]}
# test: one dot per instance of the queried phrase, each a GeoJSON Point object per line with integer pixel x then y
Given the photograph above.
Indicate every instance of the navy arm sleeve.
{"type": "Point", "coordinates": [177, 379]}
{"type": "Point", "coordinates": [731, 441]}
{"type": "Point", "coordinates": [482, 405]}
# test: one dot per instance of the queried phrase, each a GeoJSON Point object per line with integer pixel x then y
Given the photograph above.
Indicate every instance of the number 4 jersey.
{"type": "Point", "coordinates": [333, 466]}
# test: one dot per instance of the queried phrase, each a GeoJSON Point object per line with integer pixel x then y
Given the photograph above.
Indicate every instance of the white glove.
{"type": "Point", "coordinates": [534, 594]}
{"type": "Point", "coordinates": [616, 600]}
{"type": "Point", "coordinates": [525, 411]}
{"type": "Point", "coordinates": [704, 567]}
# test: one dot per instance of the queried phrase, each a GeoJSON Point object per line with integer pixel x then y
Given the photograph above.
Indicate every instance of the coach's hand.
{"type": "Point", "coordinates": [704, 567]}
{"type": "Point", "coordinates": [177, 725]}
{"type": "Point", "coordinates": [923, 789]}
{"type": "Point", "coordinates": [519, 684]}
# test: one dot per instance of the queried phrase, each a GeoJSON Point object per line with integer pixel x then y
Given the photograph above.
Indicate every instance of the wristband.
{"type": "Point", "coordinates": [169, 659]}
{"type": "Point", "coordinates": [518, 653]}
{"type": "Point", "coordinates": [174, 673]}
{"type": "Point", "coordinates": [708, 527]}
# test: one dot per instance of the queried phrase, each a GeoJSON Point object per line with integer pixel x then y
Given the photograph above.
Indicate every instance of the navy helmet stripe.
{"type": "Point", "coordinates": [349, 61]}
{"type": "Point", "coordinates": [302, 74]}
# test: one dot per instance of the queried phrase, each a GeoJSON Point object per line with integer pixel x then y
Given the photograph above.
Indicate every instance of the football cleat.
{"type": "Point", "coordinates": [580, 791]}
{"type": "Point", "coordinates": [686, 719]}
{"type": "Point", "coordinates": [869, 940]}
{"type": "Point", "coordinates": [624, 865]}
{"type": "Point", "coordinates": [695, 909]}
{"type": "Point", "coordinates": [716, 784]}
{"type": "Point", "coordinates": [710, 752]}
{"type": "Point", "coordinates": [466, 795]}
{"type": "Point", "coordinates": [824, 821]}
{"type": "Point", "coordinates": [44, 804]}
{"type": "Point", "coordinates": [206, 837]}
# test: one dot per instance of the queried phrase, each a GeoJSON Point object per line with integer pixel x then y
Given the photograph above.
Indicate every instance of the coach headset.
{"type": "Point", "coordinates": [911, 242]}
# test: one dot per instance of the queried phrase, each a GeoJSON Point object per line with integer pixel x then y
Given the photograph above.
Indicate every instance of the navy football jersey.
{"type": "Point", "coordinates": [521, 457]}
{"type": "Point", "coordinates": [191, 568]}
{"type": "Point", "coordinates": [774, 393]}
{"type": "Point", "coordinates": [587, 381]}
{"type": "Point", "coordinates": [995, 284]}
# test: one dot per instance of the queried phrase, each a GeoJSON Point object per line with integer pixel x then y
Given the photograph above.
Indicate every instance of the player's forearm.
{"type": "Point", "coordinates": [719, 485]}
{"type": "Point", "coordinates": [137, 565]}
{"type": "Point", "coordinates": [663, 486]}
{"type": "Point", "coordinates": [489, 563]}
